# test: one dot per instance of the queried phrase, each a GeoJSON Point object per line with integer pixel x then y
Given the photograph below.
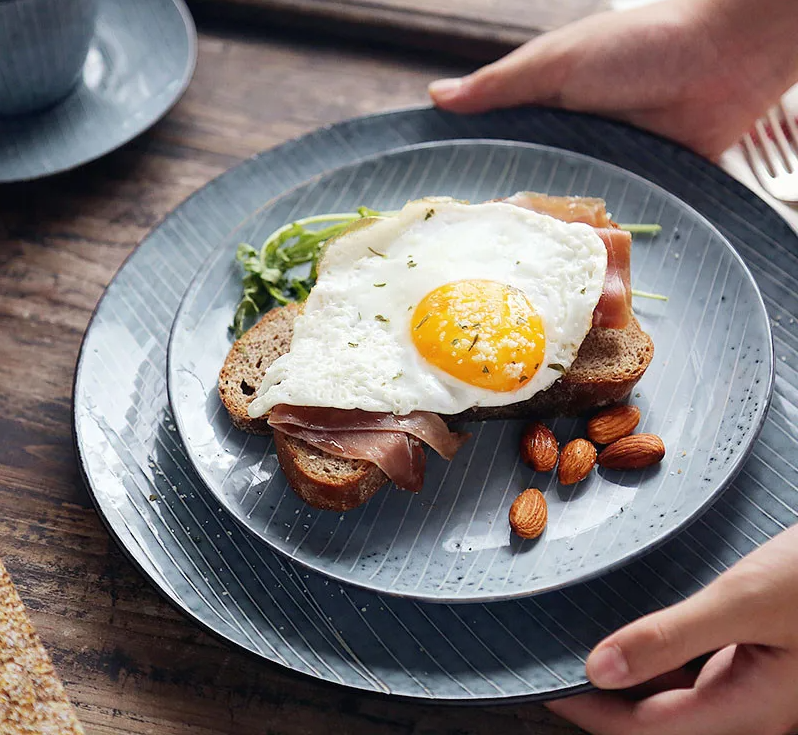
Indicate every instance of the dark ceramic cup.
{"type": "Point", "coordinates": [43, 45]}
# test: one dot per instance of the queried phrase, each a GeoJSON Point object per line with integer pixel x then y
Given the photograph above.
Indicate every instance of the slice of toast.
{"type": "Point", "coordinates": [320, 479]}
{"type": "Point", "coordinates": [324, 481]}
{"type": "Point", "coordinates": [32, 698]}
{"type": "Point", "coordinates": [247, 361]}
{"type": "Point", "coordinates": [609, 364]}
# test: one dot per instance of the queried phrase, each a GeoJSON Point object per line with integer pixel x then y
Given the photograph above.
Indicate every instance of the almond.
{"type": "Point", "coordinates": [576, 460]}
{"type": "Point", "coordinates": [612, 424]}
{"type": "Point", "coordinates": [632, 452]}
{"type": "Point", "coordinates": [539, 448]}
{"type": "Point", "coordinates": [529, 513]}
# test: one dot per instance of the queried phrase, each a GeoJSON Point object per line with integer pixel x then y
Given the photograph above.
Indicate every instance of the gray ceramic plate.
{"type": "Point", "coordinates": [139, 64]}
{"type": "Point", "coordinates": [705, 393]}
{"type": "Point", "coordinates": [220, 575]}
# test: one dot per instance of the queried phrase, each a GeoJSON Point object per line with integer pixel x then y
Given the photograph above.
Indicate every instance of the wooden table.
{"type": "Point", "coordinates": [130, 662]}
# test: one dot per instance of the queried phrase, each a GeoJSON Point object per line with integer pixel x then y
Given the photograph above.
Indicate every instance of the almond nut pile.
{"type": "Point", "coordinates": [623, 450]}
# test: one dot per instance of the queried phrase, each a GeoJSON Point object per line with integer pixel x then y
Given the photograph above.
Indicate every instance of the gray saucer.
{"type": "Point", "coordinates": [139, 64]}
{"type": "Point", "coordinates": [182, 539]}
{"type": "Point", "coordinates": [705, 393]}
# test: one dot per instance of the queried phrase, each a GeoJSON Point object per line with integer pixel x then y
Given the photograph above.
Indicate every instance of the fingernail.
{"type": "Point", "coordinates": [445, 87]}
{"type": "Point", "coordinates": [607, 667]}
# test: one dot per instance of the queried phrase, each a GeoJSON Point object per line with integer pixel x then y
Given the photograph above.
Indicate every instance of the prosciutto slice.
{"type": "Point", "coordinates": [400, 456]}
{"type": "Point", "coordinates": [591, 211]}
{"type": "Point", "coordinates": [393, 443]}
{"type": "Point", "coordinates": [614, 309]}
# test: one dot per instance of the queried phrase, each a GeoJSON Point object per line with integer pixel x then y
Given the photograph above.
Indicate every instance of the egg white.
{"type": "Point", "coordinates": [352, 345]}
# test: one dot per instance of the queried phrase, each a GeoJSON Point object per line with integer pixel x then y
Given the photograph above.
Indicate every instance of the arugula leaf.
{"type": "Point", "coordinates": [647, 295]}
{"type": "Point", "coordinates": [642, 229]}
{"type": "Point", "coordinates": [269, 275]}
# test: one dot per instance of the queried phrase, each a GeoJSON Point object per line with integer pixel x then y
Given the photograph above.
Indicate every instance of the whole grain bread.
{"type": "Point", "coordinates": [247, 361]}
{"type": "Point", "coordinates": [609, 364]}
{"type": "Point", "coordinates": [32, 698]}
{"type": "Point", "coordinates": [324, 481]}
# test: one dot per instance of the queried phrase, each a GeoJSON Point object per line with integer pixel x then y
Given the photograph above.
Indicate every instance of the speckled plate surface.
{"type": "Point", "coordinates": [139, 64]}
{"type": "Point", "coordinates": [227, 580]}
{"type": "Point", "coordinates": [705, 393]}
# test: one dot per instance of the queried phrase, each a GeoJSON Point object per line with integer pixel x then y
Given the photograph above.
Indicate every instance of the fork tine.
{"type": "Point", "coordinates": [756, 160]}
{"type": "Point", "coordinates": [791, 125]}
{"type": "Point", "coordinates": [769, 151]}
{"type": "Point", "coordinates": [787, 153]}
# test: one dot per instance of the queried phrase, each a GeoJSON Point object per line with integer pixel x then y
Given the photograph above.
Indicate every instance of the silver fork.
{"type": "Point", "coordinates": [775, 163]}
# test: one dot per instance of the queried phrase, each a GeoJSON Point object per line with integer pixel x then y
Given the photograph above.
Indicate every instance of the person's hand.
{"type": "Point", "coordinates": [697, 71]}
{"type": "Point", "coordinates": [748, 616]}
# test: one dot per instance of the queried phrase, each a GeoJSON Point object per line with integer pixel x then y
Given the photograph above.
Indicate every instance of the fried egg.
{"type": "Point", "coordinates": [443, 307]}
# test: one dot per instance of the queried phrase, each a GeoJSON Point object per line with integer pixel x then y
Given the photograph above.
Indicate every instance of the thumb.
{"type": "Point", "coordinates": [720, 615]}
{"type": "Point", "coordinates": [528, 75]}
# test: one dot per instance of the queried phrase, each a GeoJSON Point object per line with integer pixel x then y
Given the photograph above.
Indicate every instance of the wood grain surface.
{"type": "Point", "coordinates": [130, 663]}
{"type": "Point", "coordinates": [475, 29]}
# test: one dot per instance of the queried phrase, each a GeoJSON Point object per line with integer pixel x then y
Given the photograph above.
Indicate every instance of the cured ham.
{"type": "Point", "coordinates": [393, 443]}
{"type": "Point", "coordinates": [400, 456]}
{"type": "Point", "coordinates": [589, 210]}
{"type": "Point", "coordinates": [614, 309]}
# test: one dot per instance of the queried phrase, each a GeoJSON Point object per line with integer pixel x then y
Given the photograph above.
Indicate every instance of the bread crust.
{"type": "Point", "coordinates": [247, 361]}
{"type": "Point", "coordinates": [608, 366]}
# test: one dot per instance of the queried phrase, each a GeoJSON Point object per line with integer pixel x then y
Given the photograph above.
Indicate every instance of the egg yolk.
{"type": "Point", "coordinates": [481, 332]}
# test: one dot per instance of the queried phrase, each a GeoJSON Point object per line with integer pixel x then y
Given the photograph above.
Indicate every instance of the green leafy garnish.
{"type": "Point", "coordinates": [268, 276]}
{"type": "Point", "coordinates": [556, 366]}
{"type": "Point", "coordinates": [641, 229]}
{"type": "Point", "coordinates": [647, 295]}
